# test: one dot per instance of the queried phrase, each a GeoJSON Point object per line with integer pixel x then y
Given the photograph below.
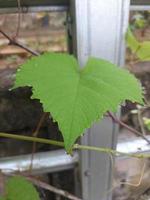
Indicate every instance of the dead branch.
{"type": "Point", "coordinates": [35, 134]}
{"type": "Point", "coordinates": [13, 41]}
{"type": "Point", "coordinates": [53, 189]}
{"type": "Point", "coordinates": [118, 121]}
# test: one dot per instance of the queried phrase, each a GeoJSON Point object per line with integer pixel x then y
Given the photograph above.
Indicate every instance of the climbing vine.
{"type": "Point", "coordinates": [75, 98]}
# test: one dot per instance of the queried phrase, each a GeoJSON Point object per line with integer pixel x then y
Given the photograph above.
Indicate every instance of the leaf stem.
{"type": "Point", "coordinates": [75, 146]}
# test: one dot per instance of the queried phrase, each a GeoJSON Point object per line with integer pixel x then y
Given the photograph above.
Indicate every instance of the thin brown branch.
{"type": "Point", "coordinates": [39, 183]}
{"type": "Point", "coordinates": [35, 133]}
{"type": "Point", "coordinates": [53, 189]}
{"type": "Point", "coordinates": [19, 19]}
{"type": "Point", "coordinates": [118, 121]}
{"type": "Point", "coordinates": [13, 41]}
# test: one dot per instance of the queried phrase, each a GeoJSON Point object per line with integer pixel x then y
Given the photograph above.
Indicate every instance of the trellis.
{"type": "Point", "coordinates": [97, 29]}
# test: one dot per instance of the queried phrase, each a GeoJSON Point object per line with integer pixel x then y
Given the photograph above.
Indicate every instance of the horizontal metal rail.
{"type": "Point", "coordinates": [58, 160]}
{"type": "Point", "coordinates": [33, 9]}
{"type": "Point", "coordinates": [134, 146]}
{"type": "Point", "coordinates": [140, 2]}
{"type": "Point", "coordinates": [60, 8]}
{"type": "Point", "coordinates": [28, 3]}
{"type": "Point", "coordinates": [45, 162]}
{"type": "Point", "coordinates": [139, 7]}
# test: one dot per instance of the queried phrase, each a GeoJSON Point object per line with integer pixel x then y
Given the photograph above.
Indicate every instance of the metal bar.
{"type": "Point", "coordinates": [58, 160]}
{"type": "Point", "coordinates": [140, 2]}
{"type": "Point", "coordinates": [34, 9]}
{"type": "Point", "coordinates": [45, 162]}
{"type": "Point", "coordinates": [133, 146]}
{"type": "Point", "coordinates": [28, 3]}
{"type": "Point", "coordinates": [139, 7]}
{"type": "Point", "coordinates": [99, 28]}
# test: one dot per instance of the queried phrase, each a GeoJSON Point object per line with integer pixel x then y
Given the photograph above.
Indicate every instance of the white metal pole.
{"type": "Point", "coordinates": [99, 28]}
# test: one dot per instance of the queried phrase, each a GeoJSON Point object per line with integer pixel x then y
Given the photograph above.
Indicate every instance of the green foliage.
{"type": "Point", "coordinates": [147, 122]}
{"type": "Point", "coordinates": [139, 19]}
{"type": "Point", "coordinates": [140, 23]}
{"type": "Point", "coordinates": [77, 97]}
{"type": "Point", "coordinates": [141, 49]}
{"type": "Point", "coordinates": [18, 188]}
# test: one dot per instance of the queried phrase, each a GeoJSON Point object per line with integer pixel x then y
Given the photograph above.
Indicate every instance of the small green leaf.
{"type": "Point", "coordinates": [141, 49]}
{"type": "Point", "coordinates": [132, 42]}
{"type": "Point", "coordinates": [147, 123]}
{"type": "Point", "coordinates": [18, 188]}
{"type": "Point", "coordinates": [77, 98]}
{"type": "Point", "coordinates": [144, 51]}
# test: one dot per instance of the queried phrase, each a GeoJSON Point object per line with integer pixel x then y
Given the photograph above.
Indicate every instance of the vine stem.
{"type": "Point", "coordinates": [13, 41]}
{"type": "Point", "coordinates": [109, 151]}
{"type": "Point", "coordinates": [32, 139]}
{"type": "Point", "coordinates": [75, 146]}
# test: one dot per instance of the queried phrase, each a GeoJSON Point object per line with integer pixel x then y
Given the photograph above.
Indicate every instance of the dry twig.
{"type": "Point", "coordinates": [13, 41]}
{"type": "Point", "coordinates": [35, 134]}
{"type": "Point", "coordinates": [118, 121]}
{"type": "Point", "coordinates": [52, 188]}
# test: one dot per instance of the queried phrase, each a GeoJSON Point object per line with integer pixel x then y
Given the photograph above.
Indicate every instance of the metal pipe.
{"type": "Point", "coordinates": [133, 146]}
{"type": "Point", "coordinates": [58, 160]}
{"type": "Point", "coordinates": [139, 7]}
{"type": "Point", "coordinates": [45, 162]}
{"type": "Point", "coordinates": [33, 9]}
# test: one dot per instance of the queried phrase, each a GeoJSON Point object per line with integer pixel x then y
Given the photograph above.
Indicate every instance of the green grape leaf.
{"type": "Point", "coordinates": [76, 97]}
{"type": "Point", "coordinates": [141, 49]}
{"type": "Point", "coordinates": [2, 198]}
{"type": "Point", "coordinates": [132, 42]}
{"type": "Point", "coordinates": [144, 51]}
{"type": "Point", "coordinates": [18, 188]}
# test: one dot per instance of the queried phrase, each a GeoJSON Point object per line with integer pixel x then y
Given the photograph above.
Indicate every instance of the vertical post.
{"type": "Point", "coordinates": [99, 28]}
